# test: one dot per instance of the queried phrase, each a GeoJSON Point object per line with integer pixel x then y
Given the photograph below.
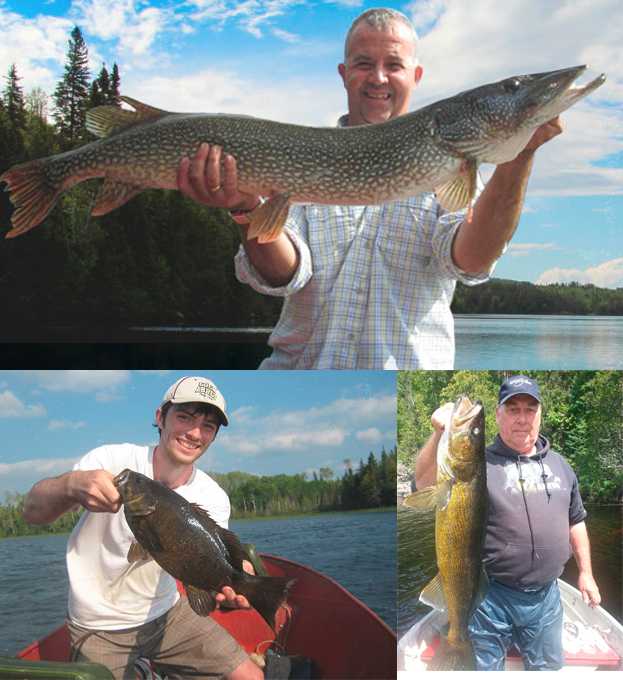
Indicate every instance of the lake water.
{"type": "Point", "coordinates": [501, 341]}
{"type": "Point", "coordinates": [417, 565]}
{"type": "Point", "coordinates": [357, 549]}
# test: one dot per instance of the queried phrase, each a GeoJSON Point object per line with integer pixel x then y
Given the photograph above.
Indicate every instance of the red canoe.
{"type": "Point", "coordinates": [323, 622]}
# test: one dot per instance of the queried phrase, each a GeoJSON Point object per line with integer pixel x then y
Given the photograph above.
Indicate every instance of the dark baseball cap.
{"type": "Point", "coordinates": [518, 384]}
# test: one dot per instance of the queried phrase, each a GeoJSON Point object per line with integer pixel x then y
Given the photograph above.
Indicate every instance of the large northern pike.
{"type": "Point", "coordinates": [460, 499]}
{"type": "Point", "coordinates": [438, 147]}
{"type": "Point", "coordinates": [188, 544]}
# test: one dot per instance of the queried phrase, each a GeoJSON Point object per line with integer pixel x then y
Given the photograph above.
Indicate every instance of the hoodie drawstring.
{"type": "Point", "coordinates": [525, 501]}
{"type": "Point", "coordinates": [544, 478]}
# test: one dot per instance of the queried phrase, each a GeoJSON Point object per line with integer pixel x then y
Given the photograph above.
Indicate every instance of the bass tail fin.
{"type": "Point", "coordinates": [31, 195]}
{"type": "Point", "coordinates": [265, 593]}
{"type": "Point", "coordinates": [453, 657]}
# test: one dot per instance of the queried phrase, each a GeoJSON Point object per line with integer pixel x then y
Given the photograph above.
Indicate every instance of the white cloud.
{"type": "Point", "coordinates": [525, 249]}
{"type": "Point", "coordinates": [605, 275]}
{"type": "Point", "coordinates": [103, 385]}
{"type": "Point", "coordinates": [370, 436]}
{"type": "Point", "coordinates": [66, 425]}
{"type": "Point", "coordinates": [321, 427]}
{"type": "Point", "coordinates": [12, 407]}
{"type": "Point", "coordinates": [19, 477]}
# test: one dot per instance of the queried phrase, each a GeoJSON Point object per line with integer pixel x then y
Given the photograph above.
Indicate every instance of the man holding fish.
{"type": "Point", "coordinates": [119, 612]}
{"type": "Point", "coordinates": [371, 287]}
{"type": "Point", "coordinates": [534, 520]}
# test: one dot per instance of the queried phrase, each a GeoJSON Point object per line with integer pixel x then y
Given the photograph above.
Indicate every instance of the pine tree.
{"type": "Point", "coordinates": [115, 82]}
{"type": "Point", "coordinates": [13, 99]}
{"type": "Point", "coordinates": [100, 89]}
{"type": "Point", "coordinates": [72, 92]}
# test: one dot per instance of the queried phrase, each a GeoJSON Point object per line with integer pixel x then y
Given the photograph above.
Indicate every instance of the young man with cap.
{"type": "Point", "coordinates": [535, 515]}
{"type": "Point", "coordinates": [116, 615]}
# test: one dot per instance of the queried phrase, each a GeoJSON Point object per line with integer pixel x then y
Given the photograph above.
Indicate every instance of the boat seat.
{"type": "Point", "coordinates": [607, 658]}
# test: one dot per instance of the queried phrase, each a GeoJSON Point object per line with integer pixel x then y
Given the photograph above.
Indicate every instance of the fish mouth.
{"type": "Point", "coordinates": [122, 478]}
{"type": "Point", "coordinates": [465, 411]}
{"type": "Point", "coordinates": [552, 92]}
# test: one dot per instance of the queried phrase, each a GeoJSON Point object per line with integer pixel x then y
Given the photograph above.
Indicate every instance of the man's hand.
{"type": "Point", "coordinates": [589, 589]}
{"type": "Point", "coordinates": [440, 416]}
{"type": "Point", "coordinates": [94, 490]}
{"type": "Point", "coordinates": [544, 133]}
{"type": "Point", "coordinates": [229, 599]}
{"type": "Point", "coordinates": [211, 178]}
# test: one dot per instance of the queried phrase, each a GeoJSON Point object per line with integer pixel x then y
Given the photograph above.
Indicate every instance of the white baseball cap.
{"type": "Point", "coordinates": [196, 389]}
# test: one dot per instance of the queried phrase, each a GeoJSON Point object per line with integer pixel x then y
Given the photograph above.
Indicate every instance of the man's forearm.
{"type": "Point", "coordinates": [276, 262]}
{"type": "Point", "coordinates": [48, 500]}
{"type": "Point", "coordinates": [426, 462]}
{"type": "Point", "coordinates": [580, 545]}
{"type": "Point", "coordinates": [495, 216]}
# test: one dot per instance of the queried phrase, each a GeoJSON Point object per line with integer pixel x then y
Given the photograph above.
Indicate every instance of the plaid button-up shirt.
{"type": "Point", "coordinates": [372, 290]}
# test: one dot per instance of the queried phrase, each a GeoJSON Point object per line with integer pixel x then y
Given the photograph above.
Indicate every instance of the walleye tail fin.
{"type": "Point", "coordinates": [31, 193]}
{"type": "Point", "coordinates": [453, 657]}
{"type": "Point", "coordinates": [265, 593]}
{"type": "Point", "coordinates": [267, 220]}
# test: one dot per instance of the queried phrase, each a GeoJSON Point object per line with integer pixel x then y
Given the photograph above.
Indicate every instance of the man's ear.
{"type": "Point", "coordinates": [159, 418]}
{"type": "Point", "coordinates": [419, 72]}
{"type": "Point", "coordinates": [341, 69]}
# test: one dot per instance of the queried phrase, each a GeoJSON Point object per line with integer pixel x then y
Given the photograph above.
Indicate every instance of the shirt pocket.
{"type": "Point", "coordinates": [405, 232]}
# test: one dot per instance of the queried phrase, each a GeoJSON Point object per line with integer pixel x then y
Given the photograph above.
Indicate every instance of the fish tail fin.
{"type": "Point", "coordinates": [265, 593]}
{"type": "Point", "coordinates": [452, 656]}
{"type": "Point", "coordinates": [31, 193]}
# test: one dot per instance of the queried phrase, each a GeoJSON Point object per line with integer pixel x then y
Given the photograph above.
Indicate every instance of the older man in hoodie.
{"type": "Point", "coordinates": [535, 519]}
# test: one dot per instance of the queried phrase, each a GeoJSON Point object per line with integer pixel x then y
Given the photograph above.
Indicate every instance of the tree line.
{"type": "Point", "coordinates": [159, 259]}
{"type": "Point", "coordinates": [502, 296]}
{"type": "Point", "coordinates": [371, 485]}
{"type": "Point", "coordinates": [581, 418]}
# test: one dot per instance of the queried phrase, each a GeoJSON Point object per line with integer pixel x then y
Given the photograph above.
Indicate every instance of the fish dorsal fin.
{"type": "Point", "coordinates": [433, 596]}
{"type": "Point", "coordinates": [107, 120]}
{"type": "Point", "coordinates": [458, 193]}
{"type": "Point", "coordinates": [234, 548]}
{"type": "Point", "coordinates": [434, 497]}
{"type": "Point", "coordinates": [201, 602]}
{"type": "Point", "coordinates": [203, 516]}
{"type": "Point", "coordinates": [112, 195]}
{"type": "Point", "coordinates": [267, 220]}
{"type": "Point", "coordinates": [145, 111]}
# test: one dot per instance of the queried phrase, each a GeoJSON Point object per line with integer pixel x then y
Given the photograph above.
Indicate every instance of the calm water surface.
{"type": "Point", "coordinates": [501, 341]}
{"type": "Point", "coordinates": [357, 549]}
{"type": "Point", "coordinates": [417, 566]}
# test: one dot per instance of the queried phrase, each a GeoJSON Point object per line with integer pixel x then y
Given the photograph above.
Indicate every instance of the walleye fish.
{"type": "Point", "coordinates": [438, 147]}
{"type": "Point", "coordinates": [189, 545]}
{"type": "Point", "coordinates": [460, 499]}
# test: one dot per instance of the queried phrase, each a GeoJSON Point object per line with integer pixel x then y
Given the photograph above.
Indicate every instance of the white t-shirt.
{"type": "Point", "coordinates": [98, 547]}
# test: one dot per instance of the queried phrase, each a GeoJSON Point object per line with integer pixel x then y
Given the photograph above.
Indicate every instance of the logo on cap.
{"type": "Point", "coordinates": [520, 381]}
{"type": "Point", "coordinates": [206, 389]}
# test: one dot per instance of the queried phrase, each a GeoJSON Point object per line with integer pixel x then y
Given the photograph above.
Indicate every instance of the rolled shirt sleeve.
{"type": "Point", "coordinates": [246, 272]}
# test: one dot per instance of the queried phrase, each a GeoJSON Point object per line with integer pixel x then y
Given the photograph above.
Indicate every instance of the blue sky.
{"type": "Point", "coordinates": [277, 59]}
{"type": "Point", "coordinates": [280, 422]}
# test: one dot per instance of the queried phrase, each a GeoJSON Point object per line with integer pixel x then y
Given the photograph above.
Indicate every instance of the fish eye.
{"type": "Point", "coordinates": [511, 85]}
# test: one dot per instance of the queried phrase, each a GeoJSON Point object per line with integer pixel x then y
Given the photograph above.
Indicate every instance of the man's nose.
{"type": "Point", "coordinates": [378, 75]}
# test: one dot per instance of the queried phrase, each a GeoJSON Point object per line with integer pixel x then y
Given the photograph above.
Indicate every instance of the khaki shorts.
{"type": "Point", "coordinates": [179, 643]}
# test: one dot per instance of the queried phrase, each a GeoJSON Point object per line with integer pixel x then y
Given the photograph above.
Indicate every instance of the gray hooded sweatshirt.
{"type": "Point", "coordinates": [533, 501]}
